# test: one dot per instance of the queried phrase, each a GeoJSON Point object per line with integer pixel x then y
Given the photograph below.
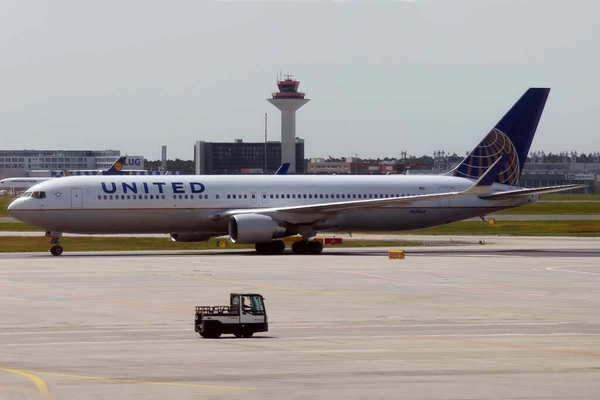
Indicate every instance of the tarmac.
{"type": "Point", "coordinates": [461, 318]}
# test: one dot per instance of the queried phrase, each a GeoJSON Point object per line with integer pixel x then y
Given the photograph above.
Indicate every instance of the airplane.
{"type": "Point", "coordinates": [263, 209]}
{"type": "Point", "coordinates": [23, 183]}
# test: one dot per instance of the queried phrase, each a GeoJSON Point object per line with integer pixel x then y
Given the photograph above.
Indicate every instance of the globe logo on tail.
{"type": "Point", "coordinates": [492, 147]}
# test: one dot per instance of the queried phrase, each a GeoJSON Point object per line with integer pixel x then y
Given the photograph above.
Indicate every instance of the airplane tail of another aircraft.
{"type": "Point", "coordinates": [283, 169]}
{"type": "Point", "coordinates": [512, 136]}
{"type": "Point", "coordinates": [116, 168]}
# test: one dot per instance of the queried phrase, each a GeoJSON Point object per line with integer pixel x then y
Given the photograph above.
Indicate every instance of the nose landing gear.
{"type": "Point", "coordinates": [56, 249]}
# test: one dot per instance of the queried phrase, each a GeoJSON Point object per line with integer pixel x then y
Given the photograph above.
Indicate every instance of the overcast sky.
{"type": "Point", "coordinates": [383, 76]}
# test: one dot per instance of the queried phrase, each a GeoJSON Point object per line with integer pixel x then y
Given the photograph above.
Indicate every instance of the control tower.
{"type": "Point", "coordinates": [288, 100]}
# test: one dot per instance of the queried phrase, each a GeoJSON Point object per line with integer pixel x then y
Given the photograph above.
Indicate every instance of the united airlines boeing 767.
{"type": "Point", "coordinates": [261, 210]}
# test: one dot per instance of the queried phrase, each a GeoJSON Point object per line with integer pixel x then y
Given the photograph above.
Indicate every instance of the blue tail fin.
{"type": "Point", "coordinates": [116, 168]}
{"type": "Point", "coordinates": [511, 136]}
{"type": "Point", "coordinates": [283, 169]}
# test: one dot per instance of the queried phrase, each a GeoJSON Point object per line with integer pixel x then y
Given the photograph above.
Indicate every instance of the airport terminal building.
{"type": "Point", "coordinates": [239, 157]}
{"type": "Point", "coordinates": [15, 163]}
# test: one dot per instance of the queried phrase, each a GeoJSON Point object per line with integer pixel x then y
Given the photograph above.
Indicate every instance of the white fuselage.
{"type": "Point", "coordinates": [20, 184]}
{"type": "Point", "coordinates": [188, 204]}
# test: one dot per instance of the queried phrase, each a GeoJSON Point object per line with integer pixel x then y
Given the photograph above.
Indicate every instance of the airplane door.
{"type": "Point", "coordinates": [76, 198]}
{"type": "Point", "coordinates": [444, 202]}
{"type": "Point", "coordinates": [264, 197]}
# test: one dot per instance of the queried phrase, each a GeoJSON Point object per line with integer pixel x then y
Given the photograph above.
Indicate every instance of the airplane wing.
{"type": "Point", "coordinates": [509, 194]}
{"type": "Point", "coordinates": [311, 212]}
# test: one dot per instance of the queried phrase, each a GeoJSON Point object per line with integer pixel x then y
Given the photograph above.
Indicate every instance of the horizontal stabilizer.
{"type": "Point", "coordinates": [485, 181]}
{"type": "Point", "coordinates": [509, 194]}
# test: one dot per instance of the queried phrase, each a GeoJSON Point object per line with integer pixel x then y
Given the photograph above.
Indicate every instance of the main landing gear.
{"type": "Point", "coordinates": [299, 247]}
{"type": "Point", "coordinates": [274, 247]}
{"type": "Point", "coordinates": [56, 249]}
{"type": "Point", "coordinates": [307, 247]}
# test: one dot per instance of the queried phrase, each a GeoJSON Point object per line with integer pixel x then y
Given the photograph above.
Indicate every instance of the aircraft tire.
{"type": "Point", "coordinates": [56, 250]}
{"type": "Point", "coordinates": [300, 247]}
{"type": "Point", "coordinates": [263, 248]}
{"type": "Point", "coordinates": [315, 247]}
{"type": "Point", "coordinates": [277, 246]}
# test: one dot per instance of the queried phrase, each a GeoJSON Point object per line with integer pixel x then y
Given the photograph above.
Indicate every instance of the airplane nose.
{"type": "Point", "coordinates": [14, 208]}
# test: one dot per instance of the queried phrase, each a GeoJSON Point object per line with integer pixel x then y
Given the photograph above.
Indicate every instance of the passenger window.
{"type": "Point", "coordinates": [99, 197]}
{"type": "Point", "coordinates": [122, 197]}
{"type": "Point", "coordinates": [310, 196]}
{"type": "Point", "coordinates": [304, 196]}
{"type": "Point", "coordinates": [217, 196]}
{"type": "Point", "coordinates": [228, 196]}
{"type": "Point", "coordinates": [110, 197]}
{"type": "Point", "coordinates": [105, 197]}
{"type": "Point", "coordinates": [253, 195]}
{"type": "Point", "coordinates": [288, 196]}
{"type": "Point", "coordinates": [270, 196]}
{"type": "Point", "coordinates": [191, 196]}
{"type": "Point", "coordinates": [128, 197]}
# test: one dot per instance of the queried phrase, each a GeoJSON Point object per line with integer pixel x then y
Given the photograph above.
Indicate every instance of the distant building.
{"type": "Point", "coordinates": [238, 157]}
{"type": "Point", "coordinates": [354, 166]}
{"type": "Point", "coordinates": [14, 163]}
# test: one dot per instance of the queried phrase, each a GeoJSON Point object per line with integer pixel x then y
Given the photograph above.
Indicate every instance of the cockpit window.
{"type": "Point", "coordinates": [38, 195]}
{"type": "Point", "coordinates": [26, 194]}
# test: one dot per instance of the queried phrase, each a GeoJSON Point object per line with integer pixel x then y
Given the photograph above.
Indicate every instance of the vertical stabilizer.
{"type": "Point", "coordinates": [512, 136]}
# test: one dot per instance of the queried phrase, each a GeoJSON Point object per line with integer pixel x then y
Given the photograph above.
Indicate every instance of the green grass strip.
{"type": "Point", "coordinates": [40, 243]}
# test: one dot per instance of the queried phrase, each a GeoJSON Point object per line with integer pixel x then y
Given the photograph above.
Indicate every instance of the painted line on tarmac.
{"type": "Point", "coordinates": [450, 286]}
{"type": "Point", "coordinates": [573, 271]}
{"type": "Point", "coordinates": [141, 381]}
{"type": "Point", "coordinates": [39, 383]}
{"type": "Point", "coordinates": [311, 326]}
{"type": "Point", "coordinates": [95, 342]}
{"type": "Point", "coordinates": [325, 337]}
{"type": "Point", "coordinates": [90, 331]}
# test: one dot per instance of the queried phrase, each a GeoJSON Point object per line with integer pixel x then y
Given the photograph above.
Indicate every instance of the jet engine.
{"type": "Point", "coordinates": [254, 228]}
{"type": "Point", "coordinates": [189, 237]}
